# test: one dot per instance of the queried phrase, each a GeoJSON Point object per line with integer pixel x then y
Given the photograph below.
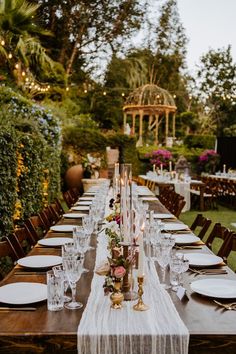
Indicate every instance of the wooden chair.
{"type": "Point", "coordinates": [59, 208]}
{"type": "Point", "coordinates": [178, 207]}
{"type": "Point", "coordinates": [228, 245]}
{"type": "Point", "coordinates": [8, 256]}
{"type": "Point", "coordinates": [203, 223]}
{"type": "Point", "coordinates": [219, 232]}
{"type": "Point", "coordinates": [68, 198]}
{"type": "Point", "coordinates": [36, 227]}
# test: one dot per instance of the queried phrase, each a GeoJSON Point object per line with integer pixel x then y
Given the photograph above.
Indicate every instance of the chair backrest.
{"type": "Point", "coordinates": [203, 223]}
{"type": "Point", "coordinates": [218, 231]}
{"type": "Point", "coordinates": [228, 245]}
{"type": "Point", "coordinates": [59, 208]}
{"type": "Point", "coordinates": [68, 199]}
{"type": "Point", "coordinates": [36, 227]}
{"type": "Point", "coordinates": [7, 251]}
{"type": "Point", "coordinates": [178, 207]}
{"type": "Point", "coordinates": [25, 238]}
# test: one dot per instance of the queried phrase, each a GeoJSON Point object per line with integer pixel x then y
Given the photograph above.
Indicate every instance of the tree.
{"type": "Point", "coordinates": [19, 44]}
{"type": "Point", "coordinates": [217, 87]}
{"type": "Point", "coordinates": [83, 28]}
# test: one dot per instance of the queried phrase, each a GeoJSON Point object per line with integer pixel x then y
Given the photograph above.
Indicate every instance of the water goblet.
{"type": "Point", "coordinates": [73, 269]}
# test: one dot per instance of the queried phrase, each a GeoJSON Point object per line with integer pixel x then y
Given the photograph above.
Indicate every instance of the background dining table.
{"type": "Point", "coordinates": [212, 329]}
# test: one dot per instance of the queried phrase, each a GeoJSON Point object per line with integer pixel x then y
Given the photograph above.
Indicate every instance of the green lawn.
{"type": "Point", "coordinates": [223, 215]}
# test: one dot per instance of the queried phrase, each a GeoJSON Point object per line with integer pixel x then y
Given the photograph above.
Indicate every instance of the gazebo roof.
{"type": "Point", "coordinates": [150, 96]}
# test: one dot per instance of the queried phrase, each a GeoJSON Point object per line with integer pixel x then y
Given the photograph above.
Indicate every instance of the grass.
{"type": "Point", "coordinates": [223, 215]}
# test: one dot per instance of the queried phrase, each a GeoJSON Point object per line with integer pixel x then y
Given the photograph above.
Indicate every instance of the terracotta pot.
{"type": "Point", "coordinates": [74, 177]}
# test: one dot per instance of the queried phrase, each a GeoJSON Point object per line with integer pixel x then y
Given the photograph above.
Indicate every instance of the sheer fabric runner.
{"type": "Point", "coordinates": [103, 330]}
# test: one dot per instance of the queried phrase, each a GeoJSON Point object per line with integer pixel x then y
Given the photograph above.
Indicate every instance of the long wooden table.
{"type": "Point", "coordinates": [211, 329]}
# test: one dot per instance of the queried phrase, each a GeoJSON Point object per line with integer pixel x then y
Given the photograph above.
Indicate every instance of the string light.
{"type": "Point", "coordinates": [123, 94]}
{"type": "Point", "coordinates": [85, 91]}
{"type": "Point", "coordinates": [174, 96]}
{"type": "Point", "coordinates": [23, 73]}
{"type": "Point", "coordinates": [17, 66]}
{"type": "Point", "coordinates": [67, 89]}
{"type": "Point", "coordinates": [10, 56]}
{"type": "Point", "coordinates": [2, 42]}
{"type": "Point", "coordinates": [104, 93]}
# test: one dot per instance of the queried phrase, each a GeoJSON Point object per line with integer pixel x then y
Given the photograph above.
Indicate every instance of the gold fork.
{"type": "Point", "coordinates": [231, 306]}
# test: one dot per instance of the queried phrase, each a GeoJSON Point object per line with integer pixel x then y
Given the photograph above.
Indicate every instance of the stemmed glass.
{"type": "Point", "coordinates": [87, 223]}
{"type": "Point", "coordinates": [178, 266]}
{"type": "Point", "coordinates": [73, 269]}
{"type": "Point", "coordinates": [81, 241]}
{"type": "Point", "coordinates": [163, 256]}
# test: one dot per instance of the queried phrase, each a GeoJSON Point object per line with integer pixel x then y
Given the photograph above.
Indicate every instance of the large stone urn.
{"type": "Point", "coordinates": [74, 177]}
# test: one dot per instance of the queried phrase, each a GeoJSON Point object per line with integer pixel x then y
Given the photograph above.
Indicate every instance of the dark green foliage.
{"type": "Point", "coordinates": [84, 140]}
{"type": "Point", "coordinates": [200, 141]}
{"type": "Point", "coordinates": [8, 178]}
{"type": "Point", "coordinates": [127, 149]}
{"type": "Point", "coordinates": [29, 138]}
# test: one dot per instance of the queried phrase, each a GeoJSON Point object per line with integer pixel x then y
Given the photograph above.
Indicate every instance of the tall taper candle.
{"type": "Point", "coordinates": [170, 166]}
{"type": "Point", "coordinates": [141, 256]}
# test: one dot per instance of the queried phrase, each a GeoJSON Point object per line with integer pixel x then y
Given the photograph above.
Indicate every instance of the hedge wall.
{"type": "Point", "coordinates": [30, 147]}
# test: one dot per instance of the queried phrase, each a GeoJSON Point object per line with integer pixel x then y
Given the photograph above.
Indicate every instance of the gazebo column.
{"type": "Point", "coordinates": [173, 126]}
{"type": "Point", "coordinates": [124, 122]}
{"type": "Point", "coordinates": [140, 138]}
{"type": "Point", "coordinates": [133, 124]}
{"type": "Point", "coordinates": [167, 125]}
{"type": "Point", "coordinates": [156, 128]}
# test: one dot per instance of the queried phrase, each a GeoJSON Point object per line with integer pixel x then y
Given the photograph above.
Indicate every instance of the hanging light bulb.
{"type": "Point", "coordinates": [2, 42]}
{"type": "Point", "coordinates": [85, 91]}
{"type": "Point", "coordinates": [10, 56]}
{"type": "Point", "coordinates": [23, 73]}
{"type": "Point", "coordinates": [67, 89]}
{"type": "Point", "coordinates": [123, 94]}
{"type": "Point", "coordinates": [174, 96]}
{"type": "Point", "coordinates": [17, 66]}
{"type": "Point", "coordinates": [104, 93]}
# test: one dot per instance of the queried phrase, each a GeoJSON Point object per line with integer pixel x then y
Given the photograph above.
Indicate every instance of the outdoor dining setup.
{"type": "Point", "coordinates": [117, 273]}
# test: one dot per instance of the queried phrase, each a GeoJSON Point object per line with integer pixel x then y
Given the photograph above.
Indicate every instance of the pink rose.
{"type": "Point", "coordinates": [119, 272]}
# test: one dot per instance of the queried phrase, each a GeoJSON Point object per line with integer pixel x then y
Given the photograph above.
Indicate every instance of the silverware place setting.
{"type": "Point", "coordinates": [208, 271]}
{"type": "Point", "coordinates": [226, 306]}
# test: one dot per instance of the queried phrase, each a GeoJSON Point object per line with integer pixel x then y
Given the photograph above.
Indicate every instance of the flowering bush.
{"type": "Point", "coordinates": [160, 156]}
{"type": "Point", "coordinates": [208, 161]}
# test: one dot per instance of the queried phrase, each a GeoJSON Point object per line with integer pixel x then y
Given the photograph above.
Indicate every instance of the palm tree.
{"type": "Point", "coordinates": [19, 33]}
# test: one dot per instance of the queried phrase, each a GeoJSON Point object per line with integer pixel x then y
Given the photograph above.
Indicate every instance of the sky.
{"type": "Point", "coordinates": [209, 24]}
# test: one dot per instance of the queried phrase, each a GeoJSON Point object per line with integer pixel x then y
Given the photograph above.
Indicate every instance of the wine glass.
{"type": "Point", "coordinates": [81, 241]}
{"type": "Point", "coordinates": [73, 269]}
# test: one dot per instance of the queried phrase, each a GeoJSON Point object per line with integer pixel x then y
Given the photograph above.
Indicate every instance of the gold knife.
{"type": "Point", "coordinates": [17, 308]}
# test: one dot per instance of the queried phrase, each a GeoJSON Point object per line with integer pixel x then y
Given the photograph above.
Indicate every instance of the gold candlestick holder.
{"type": "Point", "coordinates": [140, 306]}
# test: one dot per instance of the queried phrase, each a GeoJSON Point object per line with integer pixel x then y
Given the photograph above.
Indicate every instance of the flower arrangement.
{"type": "Point", "coordinates": [91, 165]}
{"type": "Point", "coordinates": [208, 161]}
{"type": "Point", "coordinates": [160, 157]}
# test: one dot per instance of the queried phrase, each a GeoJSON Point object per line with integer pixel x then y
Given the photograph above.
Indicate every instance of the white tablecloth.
{"type": "Point", "coordinates": [103, 330]}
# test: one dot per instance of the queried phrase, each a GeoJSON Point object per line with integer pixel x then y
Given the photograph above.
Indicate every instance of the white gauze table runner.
{"type": "Point", "coordinates": [103, 330]}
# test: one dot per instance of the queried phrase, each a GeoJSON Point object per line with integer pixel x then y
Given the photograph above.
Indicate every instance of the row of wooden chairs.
{"type": "Point", "coordinates": [19, 243]}
{"type": "Point", "coordinates": [173, 201]}
{"type": "Point", "coordinates": [228, 237]}
{"type": "Point", "coordinates": [71, 196]}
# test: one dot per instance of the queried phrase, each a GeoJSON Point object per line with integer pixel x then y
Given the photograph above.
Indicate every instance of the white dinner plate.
{"type": "Point", "coordinates": [43, 261]}
{"type": "Point", "coordinates": [54, 241]}
{"type": "Point", "coordinates": [89, 202]}
{"type": "Point", "coordinates": [80, 208]}
{"type": "Point", "coordinates": [62, 228]}
{"type": "Point", "coordinates": [217, 287]}
{"type": "Point", "coordinates": [162, 216]}
{"type": "Point", "coordinates": [172, 226]}
{"type": "Point", "coordinates": [148, 199]}
{"type": "Point", "coordinates": [86, 198]}
{"type": "Point", "coordinates": [74, 215]}
{"type": "Point", "coordinates": [186, 239]}
{"type": "Point", "coordinates": [203, 259]}
{"type": "Point", "coordinates": [23, 293]}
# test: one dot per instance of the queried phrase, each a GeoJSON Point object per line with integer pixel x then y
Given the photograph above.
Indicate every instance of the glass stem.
{"type": "Point", "coordinates": [163, 273]}
{"type": "Point", "coordinates": [73, 291]}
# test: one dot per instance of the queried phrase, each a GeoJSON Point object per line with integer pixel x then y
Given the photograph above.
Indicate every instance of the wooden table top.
{"type": "Point", "coordinates": [212, 330]}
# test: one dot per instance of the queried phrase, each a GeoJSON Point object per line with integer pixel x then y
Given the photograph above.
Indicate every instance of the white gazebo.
{"type": "Point", "coordinates": [156, 103]}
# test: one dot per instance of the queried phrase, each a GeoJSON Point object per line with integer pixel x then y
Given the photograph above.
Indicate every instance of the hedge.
{"type": "Point", "coordinates": [30, 147]}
